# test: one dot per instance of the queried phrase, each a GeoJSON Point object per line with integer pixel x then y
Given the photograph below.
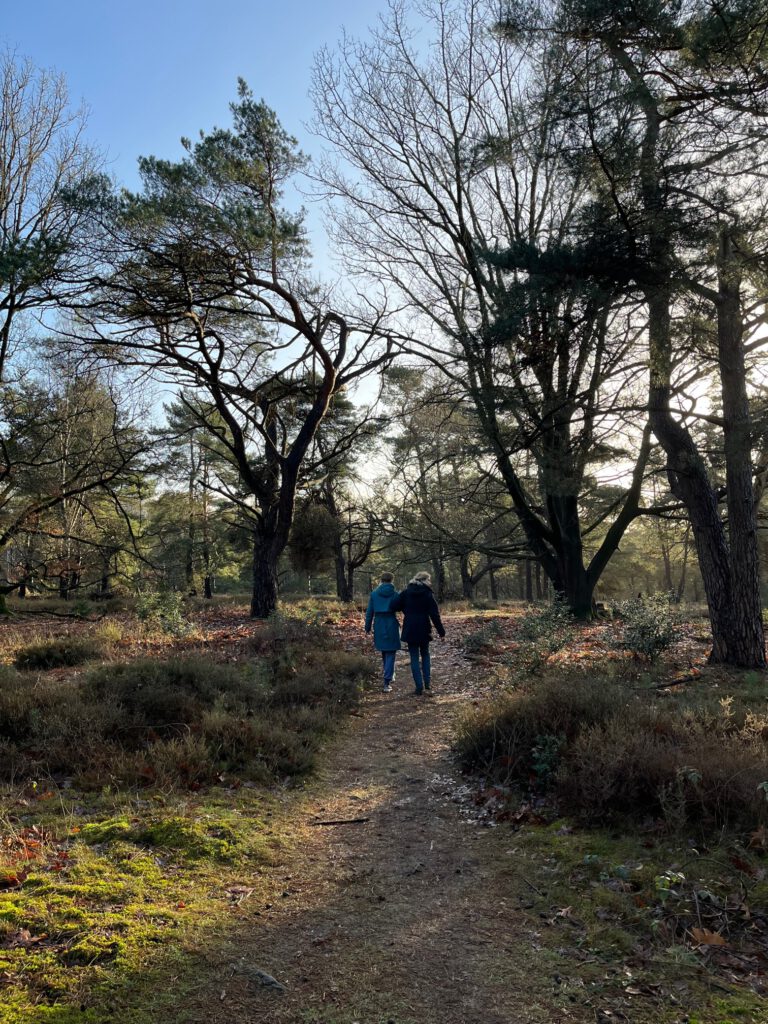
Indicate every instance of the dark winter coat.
{"type": "Point", "coordinates": [386, 631]}
{"type": "Point", "coordinates": [420, 612]}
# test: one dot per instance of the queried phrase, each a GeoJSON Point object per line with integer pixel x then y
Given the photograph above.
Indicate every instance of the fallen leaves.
{"type": "Point", "coordinates": [705, 937]}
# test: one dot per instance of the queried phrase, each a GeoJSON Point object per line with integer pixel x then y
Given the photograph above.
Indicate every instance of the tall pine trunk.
{"type": "Point", "coordinates": [264, 593]}
{"type": "Point", "coordinates": [746, 644]}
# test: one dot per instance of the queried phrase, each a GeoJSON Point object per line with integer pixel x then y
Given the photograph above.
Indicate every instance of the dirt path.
{"type": "Point", "coordinates": [412, 917]}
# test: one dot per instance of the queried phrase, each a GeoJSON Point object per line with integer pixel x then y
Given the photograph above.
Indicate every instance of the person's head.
{"type": "Point", "coordinates": [423, 578]}
{"type": "Point", "coordinates": [386, 577]}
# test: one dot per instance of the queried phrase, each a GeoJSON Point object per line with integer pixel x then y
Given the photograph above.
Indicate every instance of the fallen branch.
{"type": "Point", "coordinates": [341, 821]}
{"type": "Point", "coordinates": [669, 684]}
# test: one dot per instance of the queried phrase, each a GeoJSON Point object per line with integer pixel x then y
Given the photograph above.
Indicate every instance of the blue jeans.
{"type": "Point", "coordinates": [415, 651]}
{"type": "Point", "coordinates": [388, 662]}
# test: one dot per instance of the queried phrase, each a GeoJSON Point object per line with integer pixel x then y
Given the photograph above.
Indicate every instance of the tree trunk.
{"type": "Point", "coordinates": [665, 557]}
{"type": "Point", "coordinates": [189, 558]}
{"type": "Point", "coordinates": [529, 581]}
{"type": "Point", "coordinates": [438, 578]}
{"type": "Point", "coordinates": [264, 594]}
{"type": "Point", "coordinates": [734, 632]}
{"type": "Point", "coordinates": [689, 481]}
{"type": "Point", "coordinates": [680, 593]}
{"type": "Point", "coordinates": [746, 643]}
{"type": "Point", "coordinates": [342, 587]}
{"type": "Point", "coordinates": [575, 584]}
{"type": "Point", "coordinates": [350, 583]}
{"type": "Point", "coordinates": [207, 587]}
{"type": "Point", "coordinates": [492, 585]}
{"type": "Point", "coordinates": [467, 586]}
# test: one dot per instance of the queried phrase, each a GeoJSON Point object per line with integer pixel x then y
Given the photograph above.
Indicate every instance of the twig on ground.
{"type": "Point", "coordinates": [341, 821]}
{"type": "Point", "coordinates": [532, 885]}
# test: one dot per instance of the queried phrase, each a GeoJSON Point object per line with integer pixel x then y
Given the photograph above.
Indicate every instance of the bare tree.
{"type": "Point", "coordinates": [450, 164]}
{"type": "Point", "coordinates": [42, 158]}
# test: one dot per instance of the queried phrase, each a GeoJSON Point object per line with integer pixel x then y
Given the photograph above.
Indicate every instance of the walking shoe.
{"type": "Point", "coordinates": [386, 688]}
{"type": "Point", "coordinates": [417, 693]}
{"type": "Point", "coordinates": [428, 691]}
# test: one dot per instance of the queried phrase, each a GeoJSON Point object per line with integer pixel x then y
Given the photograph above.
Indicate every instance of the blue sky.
{"type": "Point", "coordinates": [151, 72]}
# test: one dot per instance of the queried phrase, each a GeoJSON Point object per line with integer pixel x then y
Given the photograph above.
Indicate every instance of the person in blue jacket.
{"type": "Point", "coordinates": [420, 613]}
{"type": "Point", "coordinates": [386, 629]}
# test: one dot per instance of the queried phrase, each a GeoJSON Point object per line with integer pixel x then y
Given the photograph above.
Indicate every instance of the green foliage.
{"type": "Point", "coordinates": [162, 610]}
{"type": "Point", "coordinates": [541, 634]}
{"type": "Point", "coordinates": [58, 653]}
{"type": "Point", "coordinates": [312, 534]}
{"type": "Point", "coordinates": [545, 757]}
{"type": "Point", "coordinates": [651, 626]}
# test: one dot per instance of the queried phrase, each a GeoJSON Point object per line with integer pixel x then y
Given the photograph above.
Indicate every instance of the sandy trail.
{"type": "Point", "coordinates": [412, 917]}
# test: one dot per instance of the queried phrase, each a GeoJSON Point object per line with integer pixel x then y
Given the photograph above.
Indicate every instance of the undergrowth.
{"type": "Point", "coordinates": [59, 652]}
{"type": "Point", "coordinates": [604, 752]}
{"type": "Point", "coordinates": [142, 805]}
{"type": "Point", "coordinates": [185, 721]}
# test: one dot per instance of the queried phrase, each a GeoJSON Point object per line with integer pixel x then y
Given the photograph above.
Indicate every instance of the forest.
{"type": "Point", "coordinates": [505, 325]}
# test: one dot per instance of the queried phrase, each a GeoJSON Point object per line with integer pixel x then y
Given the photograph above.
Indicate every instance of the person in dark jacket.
{"type": "Point", "coordinates": [420, 613]}
{"type": "Point", "coordinates": [386, 629]}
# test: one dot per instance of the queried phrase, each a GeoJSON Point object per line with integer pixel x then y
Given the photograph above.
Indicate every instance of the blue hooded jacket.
{"type": "Point", "coordinates": [386, 630]}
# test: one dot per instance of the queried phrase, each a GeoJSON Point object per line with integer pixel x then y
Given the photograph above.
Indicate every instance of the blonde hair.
{"type": "Point", "coordinates": [422, 577]}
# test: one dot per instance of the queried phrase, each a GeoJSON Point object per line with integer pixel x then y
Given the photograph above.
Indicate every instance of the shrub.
{"type": "Point", "coordinates": [167, 696]}
{"type": "Point", "coordinates": [58, 653]}
{"type": "Point", "coordinates": [320, 677]}
{"type": "Point", "coordinates": [650, 626]}
{"type": "Point", "coordinates": [670, 766]}
{"type": "Point", "coordinates": [178, 722]}
{"type": "Point", "coordinates": [110, 631]}
{"type": "Point", "coordinates": [162, 611]}
{"type": "Point", "coordinates": [483, 639]}
{"type": "Point", "coordinates": [605, 753]}
{"type": "Point", "coordinates": [500, 737]}
{"type": "Point", "coordinates": [302, 629]}
{"type": "Point", "coordinates": [541, 634]}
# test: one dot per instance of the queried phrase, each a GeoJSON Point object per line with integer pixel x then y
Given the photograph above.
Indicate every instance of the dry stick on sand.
{"type": "Point", "coordinates": [341, 821]}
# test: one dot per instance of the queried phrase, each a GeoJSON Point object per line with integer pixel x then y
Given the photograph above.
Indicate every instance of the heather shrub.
{"type": "Point", "coordinates": [605, 753]}
{"type": "Point", "coordinates": [166, 696]}
{"type": "Point", "coordinates": [177, 722]}
{"type": "Point", "coordinates": [499, 738]}
{"type": "Point", "coordinates": [683, 772]}
{"type": "Point", "coordinates": [60, 652]}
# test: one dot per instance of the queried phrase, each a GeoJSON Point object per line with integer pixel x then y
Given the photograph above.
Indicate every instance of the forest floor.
{"type": "Point", "coordinates": [396, 892]}
{"type": "Point", "coordinates": [422, 909]}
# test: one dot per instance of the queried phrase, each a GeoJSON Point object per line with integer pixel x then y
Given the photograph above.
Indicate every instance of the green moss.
{"type": "Point", "coordinates": [106, 831]}
{"type": "Point", "coordinates": [192, 839]}
{"type": "Point", "coordinates": [93, 950]}
{"type": "Point", "coordinates": [15, 1009]}
{"type": "Point", "coordinates": [10, 911]}
{"type": "Point", "coordinates": [740, 1009]}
